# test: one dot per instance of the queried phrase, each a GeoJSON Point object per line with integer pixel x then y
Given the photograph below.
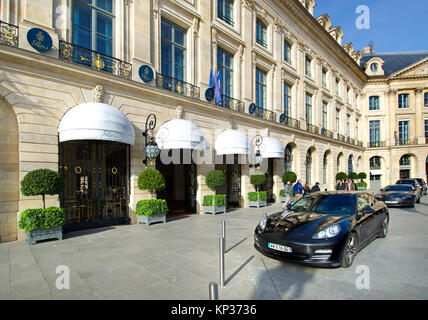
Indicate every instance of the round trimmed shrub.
{"type": "Point", "coordinates": [257, 180]}
{"type": "Point", "coordinates": [353, 175]}
{"type": "Point", "coordinates": [362, 176]}
{"type": "Point", "coordinates": [215, 179]}
{"type": "Point", "coordinates": [341, 175]}
{"type": "Point", "coordinates": [151, 180]}
{"type": "Point", "coordinates": [41, 182]}
{"type": "Point", "coordinates": [289, 176]}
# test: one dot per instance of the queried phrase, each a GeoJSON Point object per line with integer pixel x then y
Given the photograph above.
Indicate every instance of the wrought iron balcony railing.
{"type": "Point", "coordinates": [341, 137]}
{"type": "Point", "coordinates": [326, 133]}
{"type": "Point", "coordinates": [263, 113]}
{"type": "Point", "coordinates": [75, 54]}
{"type": "Point", "coordinates": [9, 34]}
{"type": "Point", "coordinates": [177, 86]}
{"type": "Point", "coordinates": [225, 18]}
{"type": "Point", "coordinates": [290, 122]}
{"type": "Point", "coordinates": [404, 142]}
{"type": "Point", "coordinates": [376, 144]}
{"type": "Point", "coordinates": [312, 129]}
{"type": "Point", "coordinates": [375, 167]}
{"type": "Point", "coordinates": [233, 104]}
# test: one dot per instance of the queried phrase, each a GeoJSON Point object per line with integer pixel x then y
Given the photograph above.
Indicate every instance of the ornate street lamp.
{"type": "Point", "coordinates": [258, 159]}
{"type": "Point", "coordinates": [152, 150]}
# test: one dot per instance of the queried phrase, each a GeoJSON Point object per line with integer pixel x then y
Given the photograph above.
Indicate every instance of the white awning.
{"type": "Point", "coordinates": [180, 134]}
{"type": "Point", "coordinates": [232, 142]}
{"type": "Point", "coordinates": [376, 172]}
{"type": "Point", "coordinates": [271, 148]}
{"type": "Point", "coordinates": [96, 121]}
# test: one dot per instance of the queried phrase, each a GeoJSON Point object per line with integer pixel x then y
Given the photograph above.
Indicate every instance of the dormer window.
{"type": "Point", "coordinates": [374, 67]}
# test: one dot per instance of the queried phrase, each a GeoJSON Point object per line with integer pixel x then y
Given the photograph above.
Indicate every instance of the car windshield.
{"type": "Point", "coordinates": [340, 204]}
{"type": "Point", "coordinates": [412, 182]}
{"type": "Point", "coordinates": [398, 188]}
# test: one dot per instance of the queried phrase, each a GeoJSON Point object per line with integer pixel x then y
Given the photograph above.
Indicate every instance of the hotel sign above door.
{"type": "Point", "coordinates": [39, 39]}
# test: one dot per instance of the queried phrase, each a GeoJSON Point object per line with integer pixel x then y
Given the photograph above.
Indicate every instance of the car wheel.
{"type": "Point", "coordinates": [349, 250]}
{"type": "Point", "coordinates": [385, 226]}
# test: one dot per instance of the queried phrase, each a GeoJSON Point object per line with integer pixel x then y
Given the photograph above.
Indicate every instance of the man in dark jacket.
{"type": "Point", "coordinates": [316, 188]}
{"type": "Point", "coordinates": [298, 190]}
{"type": "Point", "coordinates": [341, 185]}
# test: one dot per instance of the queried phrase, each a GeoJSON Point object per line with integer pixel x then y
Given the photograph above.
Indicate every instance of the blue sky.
{"type": "Point", "coordinates": [395, 25]}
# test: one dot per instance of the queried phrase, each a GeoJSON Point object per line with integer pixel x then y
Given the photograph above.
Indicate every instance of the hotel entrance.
{"type": "Point", "coordinates": [181, 184]}
{"type": "Point", "coordinates": [232, 170]}
{"type": "Point", "coordinates": [96, 176]}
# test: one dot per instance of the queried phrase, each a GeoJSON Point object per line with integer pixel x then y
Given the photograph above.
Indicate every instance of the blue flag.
{"type": "Point", "coordinates": [217, 89]}
{"type": "Point", "coordinates": [211, 83]}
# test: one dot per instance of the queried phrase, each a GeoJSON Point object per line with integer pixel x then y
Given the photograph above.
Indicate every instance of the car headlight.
{"type": "Point", "coordinates": [329, 232]}
{"type": "Point", "coordinates": [262, 224]}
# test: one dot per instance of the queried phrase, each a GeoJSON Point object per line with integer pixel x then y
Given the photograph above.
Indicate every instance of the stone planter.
{"type": "Point", "coordinates": [44, 234]}
{"type": "Point", "coordinates": [257, 204]}
{"type": "Point", "coordinates": [151, 219]}
{"type": "Point", "coordinates": [361, 188]}
{"type": "Point", "coordinates": [214, 210]}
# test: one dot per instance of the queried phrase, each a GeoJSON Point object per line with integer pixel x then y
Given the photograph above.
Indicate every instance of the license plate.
{"type": "Point", "coordinates": [390, 201]}
{"type": "Point", "coordinates": [279, 247]}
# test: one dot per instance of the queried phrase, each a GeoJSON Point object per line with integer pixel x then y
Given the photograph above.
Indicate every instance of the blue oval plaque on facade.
{"type": "Point", "coordinates": [209, 94]}
{"type": "Point", "coordinates": [252, 108]}
{"type": "Point", "coordinates": [146, 73]}
{"type": "Point", "coordinates": [39, 39]}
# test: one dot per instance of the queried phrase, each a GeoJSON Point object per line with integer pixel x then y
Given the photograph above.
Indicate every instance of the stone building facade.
{"type": "Point", "coordinates": [285, 77]}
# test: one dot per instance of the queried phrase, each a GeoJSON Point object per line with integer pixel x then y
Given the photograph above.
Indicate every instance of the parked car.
{"type": "Point", "coordinates": [398, 195]}
{"type": "Point", "coordinates": [415, 184]}
{"type": "Point", "coordinates": [323, 229]}
{"type": "Point", "coordinates": [423, 184]}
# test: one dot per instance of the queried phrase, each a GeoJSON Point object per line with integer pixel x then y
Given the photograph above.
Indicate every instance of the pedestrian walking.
{"type": "Point", "coordinates": [287, 193]}
{"type": "Point", "coordinates": [350, 185]}
{"type": "Point", "coordinates": [298, 189]}
{"type": "Point", "coordinates": [316, 187]}
{"type": "Point", "coordinates": [307, 189]}
{"type": "Point", "coordinates": [341, 185]}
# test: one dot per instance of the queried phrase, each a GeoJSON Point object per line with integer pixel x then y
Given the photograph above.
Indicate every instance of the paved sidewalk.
{"type": "Point", "coordinates": [178, 259]}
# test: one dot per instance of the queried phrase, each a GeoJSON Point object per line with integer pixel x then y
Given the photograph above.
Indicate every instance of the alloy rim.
{"type": "Point", "coordinates": [350, 249]}
{"type": "Point", "coordinates": [385, 226]}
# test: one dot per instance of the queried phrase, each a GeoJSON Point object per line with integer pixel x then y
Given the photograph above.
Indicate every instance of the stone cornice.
{"type": "Point", "coordinates": [306, 20]}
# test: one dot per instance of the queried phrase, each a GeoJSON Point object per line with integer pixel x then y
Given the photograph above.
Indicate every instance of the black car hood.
{"type": "Point", "coordinates": [300, 223]}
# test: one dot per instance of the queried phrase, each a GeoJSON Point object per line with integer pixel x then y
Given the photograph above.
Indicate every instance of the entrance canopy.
{"type": "Point", "coordinates": [180, 134]}
{"type": "Point", "coordinates": [232, 142]}
{"type": "Point", "coordinates": [96, 121]}
{"type": "Point", "coordinates": [271, 148]}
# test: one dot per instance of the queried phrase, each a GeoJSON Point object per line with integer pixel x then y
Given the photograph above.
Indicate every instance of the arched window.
{"type": "Point", "coordinates": [288, 159]}
{"type": "Point", "coordinates": [405, 167]}
{"type": "Point", "coordinates": [350, 164]}
{"type": "Point", "coordinates": [308, 164]}
{"type": "Point", "coordinates": [324, 164]}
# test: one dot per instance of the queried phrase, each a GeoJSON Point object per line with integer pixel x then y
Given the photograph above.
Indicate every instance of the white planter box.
{"type": "Point", "coordinates": [214, 210]}
{"type": "Point", "coordinates": [151, 219]}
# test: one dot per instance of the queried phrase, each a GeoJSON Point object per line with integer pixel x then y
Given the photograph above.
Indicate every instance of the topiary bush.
{"type": "Point", "coordinates": [32, 219]}
{"type": "Point", "coordinates": [42, 182]}
{"type": "Point", "coordinates": [151, 207]}
{"type": "Point", "coordinates": [353, 175]}
{"type": "Point", "coordinates": [362, 176]}
{"type": "Point", "coordinates": [341, 175]}
{"type": "Point", "coordinates": [257, 180]}
{"type": "Point", "coordinates": [151, 180]}
{"type": "Point", "coordinates": [215, 179]}
{"type": "Point", "coordinates": [289, 176]}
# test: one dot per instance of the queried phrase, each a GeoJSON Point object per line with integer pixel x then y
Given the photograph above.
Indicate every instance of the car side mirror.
{"type": "Point", "coordinates": [367, 210]}
{"type": "Point", "coordinates": [288, 206]}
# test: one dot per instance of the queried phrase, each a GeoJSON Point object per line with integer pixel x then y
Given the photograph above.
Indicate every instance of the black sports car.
{"type": "Point", "coordinates": [323, 229]}
{"type": "Point", "coordinates": [415, 184]}
{"type": "Point", "coordinates": [398, 195]}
